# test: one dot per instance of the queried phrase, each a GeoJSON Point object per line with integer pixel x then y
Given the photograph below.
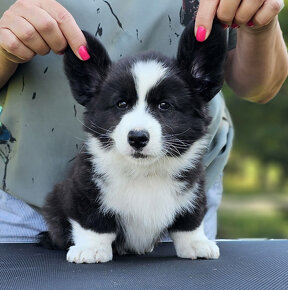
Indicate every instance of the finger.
{"type": "Point", "coordinates": [13, 48]}
{"type": "Point", "coordinates": [45, 25]}
{"type": "Point", "coordinates": [267, 12]}
{"type": "Point", "coordinates": [67, 24]}
{"type": "Point", "coordinates": [227, 10]}
{"type": "Point", "coordinates": [204, 18]}
{"type": "Point", "coordinates": [247, 10]}
{"type": "Point", "coordinates": [26, 33]}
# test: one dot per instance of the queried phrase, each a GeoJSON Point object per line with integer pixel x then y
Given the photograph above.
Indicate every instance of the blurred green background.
{"type": "Point", "coordinates": [255, 200]}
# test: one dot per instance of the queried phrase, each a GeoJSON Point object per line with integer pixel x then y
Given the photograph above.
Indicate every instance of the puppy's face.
{"type": "Point", "coordinates": [148, 106]}
{"type": "Point", "coordinates": [145, 110]}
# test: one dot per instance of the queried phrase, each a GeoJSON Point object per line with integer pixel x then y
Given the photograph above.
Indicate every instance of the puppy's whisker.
{"type": "Point", "coordinates": [80, 139]}
{"type": "Point", "coordinates": [97, 126]}
{"type": "Point", "coordinates": [171, 150]}
{"type": "Point", "coordinates": [176, 144]}
{"type": "Point", "coordinates": [92, 130]}
{"type": "Point", "coordinates": [175, 139]}
{"type": "Point", "coordinates": [177, 134]}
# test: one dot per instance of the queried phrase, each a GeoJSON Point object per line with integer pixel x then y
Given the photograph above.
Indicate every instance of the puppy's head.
{"type": "Point", "coordinates": [149, 106]}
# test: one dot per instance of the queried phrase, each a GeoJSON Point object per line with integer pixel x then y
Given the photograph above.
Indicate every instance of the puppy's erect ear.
{"type": "Point", "coordinates": [204, 60]}
{"type": "Point", "coordinates": [85, 77]}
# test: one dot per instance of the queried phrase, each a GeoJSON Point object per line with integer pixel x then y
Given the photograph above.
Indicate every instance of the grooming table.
{"type": "Point", "coordinates": [242, 265]}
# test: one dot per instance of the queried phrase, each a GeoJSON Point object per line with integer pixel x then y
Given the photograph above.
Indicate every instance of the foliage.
{"type": "Point", "coordinates": [253, 216]}
{"type": "Point", "coordinates": [261, 131]}
{"type": "Point", "coordinates": [251, 225]}
{"type": "Point", "coordinates": [258, 164]}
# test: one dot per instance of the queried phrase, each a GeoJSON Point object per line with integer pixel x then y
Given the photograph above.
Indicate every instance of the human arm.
{"type": "Point", "coordinates": [258, 66]}
{"type": "Point", "coordinates": [31, 27]}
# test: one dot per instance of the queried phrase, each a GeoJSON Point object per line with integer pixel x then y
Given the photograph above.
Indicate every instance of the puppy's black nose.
{"type": "Point", "coordinates": [138, 139]}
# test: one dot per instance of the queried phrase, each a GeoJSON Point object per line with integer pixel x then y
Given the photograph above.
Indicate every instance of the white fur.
{"type": "Point", "coordinates": [146, 197]}
{"type": "Point", "coordinates": [89, 246]}
{"type": "Point", "coordinates": [146, 75]}
{"type": "Point", "coordinates": [194, 244]}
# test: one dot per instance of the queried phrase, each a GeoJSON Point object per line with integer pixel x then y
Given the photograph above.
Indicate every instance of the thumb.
{"type": "Point", "coordinates": [204, 18]}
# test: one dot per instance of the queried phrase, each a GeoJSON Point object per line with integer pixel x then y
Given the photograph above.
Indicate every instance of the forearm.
{"type": "Point", "coordinates": [258, 66]}
{"type": "Point", "coordinates": [8, 68]}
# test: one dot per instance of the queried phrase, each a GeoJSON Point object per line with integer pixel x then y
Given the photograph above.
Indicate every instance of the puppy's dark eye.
{"type": "Point", "coordinates": [122, 104]}
{"type": "Point", "coordinates": [164, 106]}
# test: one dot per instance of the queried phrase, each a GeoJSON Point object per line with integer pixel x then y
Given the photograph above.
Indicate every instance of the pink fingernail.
{"type": "Point", "coordinates": [201, 34]}
{"type": "Point", "coordinates": [250, 23]}
{"type": "Point", "coordinates": [83, 52]}
{"type": "Point", "coordinates": [234, 25]}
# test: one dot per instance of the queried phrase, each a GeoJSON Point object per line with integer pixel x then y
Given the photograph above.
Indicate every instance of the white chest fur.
{"type": "Point", "coordinates": [145, 205]}
{"type": "Point", "coordinates": [145, 198]}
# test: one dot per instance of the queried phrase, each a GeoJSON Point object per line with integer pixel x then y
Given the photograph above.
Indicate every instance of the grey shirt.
{"type": "Point", "coordinates": [45, 120]}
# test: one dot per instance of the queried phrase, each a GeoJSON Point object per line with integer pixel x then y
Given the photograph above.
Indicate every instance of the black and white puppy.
{"type": "Point", "coordinates": [141, 171]}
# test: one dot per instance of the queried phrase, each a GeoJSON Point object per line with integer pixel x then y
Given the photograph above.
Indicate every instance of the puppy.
{"type": "Point", "coordinates": [141, 171]}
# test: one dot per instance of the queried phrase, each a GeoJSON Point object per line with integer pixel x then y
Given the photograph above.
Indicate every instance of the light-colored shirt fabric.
{"type": "Point", "coordinates": [45, 120]}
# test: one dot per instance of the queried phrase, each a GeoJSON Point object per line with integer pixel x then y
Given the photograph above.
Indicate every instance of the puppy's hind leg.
{"type": "Point", "coordinates": [59, 228]}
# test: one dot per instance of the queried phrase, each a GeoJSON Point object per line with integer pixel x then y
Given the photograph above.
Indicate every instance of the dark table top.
{"type": "Point", "coordinates": [242, 265]}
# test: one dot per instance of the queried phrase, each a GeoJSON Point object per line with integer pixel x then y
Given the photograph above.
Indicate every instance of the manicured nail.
{"type": "Point", "coordinates": [234, 25]}
{"type": "Point", "coordinates": [225, 26]}
{"type": "Point", "coordinates": [83, 52]}
{"type": "Point", "coordinates": [250, 23]}
{"type": "Point", "coordinates": [201, 34]}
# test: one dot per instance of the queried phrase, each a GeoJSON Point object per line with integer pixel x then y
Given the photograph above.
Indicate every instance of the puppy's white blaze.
{"type": "Point", "coordinates": [194, 244]}
{"type": "Point", "coordinates": [146, 75]}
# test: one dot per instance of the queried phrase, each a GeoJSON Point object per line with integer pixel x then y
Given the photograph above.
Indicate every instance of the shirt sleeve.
{"type": "Point", "coordinates": [4, 5]}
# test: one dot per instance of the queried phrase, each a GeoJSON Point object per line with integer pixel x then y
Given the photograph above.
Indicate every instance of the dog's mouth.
{"type": "Point", "coordinates": [142, 158]}
{"type": "Point", "coordinates": [139, 155]}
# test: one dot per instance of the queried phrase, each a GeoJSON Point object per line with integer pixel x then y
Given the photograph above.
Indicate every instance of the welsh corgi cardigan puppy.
{"type": "Point", "coordinates": [140, 173]}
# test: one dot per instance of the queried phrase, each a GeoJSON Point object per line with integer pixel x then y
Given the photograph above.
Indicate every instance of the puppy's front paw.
{"type": "Point", "coordinates": [194, 244]}
{"type": "Point", "coordinates": [79, 255]}
{"type": "Point", "coordinates": [198, 249]}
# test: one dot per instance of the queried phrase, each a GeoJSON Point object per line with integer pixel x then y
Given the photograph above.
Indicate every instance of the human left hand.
{"type": "Point", "coordinates": [235, 13]}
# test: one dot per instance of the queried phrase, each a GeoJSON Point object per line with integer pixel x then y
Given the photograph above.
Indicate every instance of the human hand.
{"type": "Point", "coordinates": [31, 27]}
{"type": "Point", "coordinates": [235, 13]}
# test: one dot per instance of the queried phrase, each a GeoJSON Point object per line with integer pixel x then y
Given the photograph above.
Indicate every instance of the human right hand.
{"type": "Point", "coordinates": [246, 13]}
{"type": "Point", "coordinates": [31, 27]}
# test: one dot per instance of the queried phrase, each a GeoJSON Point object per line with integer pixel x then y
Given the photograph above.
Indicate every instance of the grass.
{"type": "Point", "coordinates": [253, 217]}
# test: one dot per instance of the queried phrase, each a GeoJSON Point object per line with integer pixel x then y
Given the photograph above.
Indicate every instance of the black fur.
{"type": "Point", "coordinates": [196, 75]}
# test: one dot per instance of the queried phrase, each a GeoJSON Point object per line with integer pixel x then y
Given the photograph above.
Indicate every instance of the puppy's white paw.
{"type": "Point", "coordinates": [80, 254]}
{"type": "Point", "coordinates": [198, 249]}
{"type": "Point", "coordinates": [194, 244]}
